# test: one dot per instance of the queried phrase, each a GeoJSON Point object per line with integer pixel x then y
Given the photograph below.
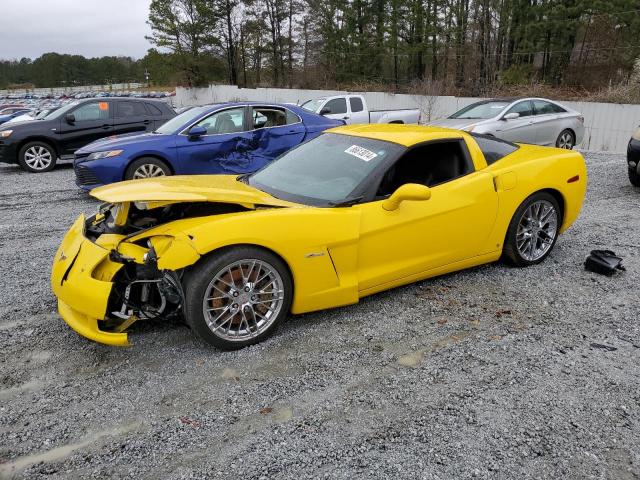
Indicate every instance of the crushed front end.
{"type": "Point", "coordinates": [115, 268]}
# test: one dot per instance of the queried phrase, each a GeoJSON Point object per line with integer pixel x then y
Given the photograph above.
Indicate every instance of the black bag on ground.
{"type": "Point", "coordinates": [604, 262]}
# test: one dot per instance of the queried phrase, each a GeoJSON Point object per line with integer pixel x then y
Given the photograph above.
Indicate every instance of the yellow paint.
{"type": "Point", "coordinates": [335, 255]}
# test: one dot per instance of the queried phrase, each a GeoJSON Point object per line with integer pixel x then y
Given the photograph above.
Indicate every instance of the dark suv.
{"type": "Point", "coordinates": [37, 145]}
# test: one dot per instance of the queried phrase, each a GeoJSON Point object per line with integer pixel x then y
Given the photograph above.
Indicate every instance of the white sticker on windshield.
{"type": "Point", "coordinates": [361, 153]}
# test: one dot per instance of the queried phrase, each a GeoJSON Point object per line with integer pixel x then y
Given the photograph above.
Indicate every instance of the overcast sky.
{"type": "Point", "coordinates": [93, 28]}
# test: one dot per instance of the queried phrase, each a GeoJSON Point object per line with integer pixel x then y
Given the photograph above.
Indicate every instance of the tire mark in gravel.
{"type": "Point", "coordinates": [12, 468]}
{"type": "Point", "coordinates": [305, 403]}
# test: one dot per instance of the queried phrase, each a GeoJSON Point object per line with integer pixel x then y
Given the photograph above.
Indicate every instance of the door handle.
{"type": "Point", "coordinates": [146, 122]}
{"type": "Point", "coordinates": [345, 118]}
{"type": "Point", "coordinates": [106, 127]}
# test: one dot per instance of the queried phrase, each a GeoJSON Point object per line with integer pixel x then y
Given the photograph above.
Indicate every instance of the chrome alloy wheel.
{"type": "Point", "coordinates": [38, 157]}
{"type": "Point", "coordinates": [243, 300]}
{"type": "Point", "coordinates": [537, 230]}
{"type": "Point", "coordinates": [148, 170]}
{"type": "Point", "coordinates": [565, 141]}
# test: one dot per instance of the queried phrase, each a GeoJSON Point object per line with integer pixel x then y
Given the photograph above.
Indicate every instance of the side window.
{"type": "Point", "coordinates": [226, 121]}
{"type": "Point", "coordinates": [92, 112]}
{"type": "Point", "coordinates": [356, 104]}
{"type": "Point", "coordinates": [430, 165]}
{"type": "Point", "coordinates": [292, 118]}
{"type": "Point", "coordinates": [493, 148]}
{"type": "Point", "coordinates": [265, 117]}
{"type": "Point", "coordinates": [557, 108]}
{"type": "Point", "coordinates": [130, 109]}
{"type": "Point", "coordinates": [523, 108]}
{"type": "Point", "coordinates": [337, 105]}
{"type": "Point", "coordinates": [543, 108]}
{"type": "Point", "coordinates": [154, 110]}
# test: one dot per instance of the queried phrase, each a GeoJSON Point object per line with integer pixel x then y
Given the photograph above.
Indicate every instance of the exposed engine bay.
{"type": "Point", "coordinates": [141, 290]}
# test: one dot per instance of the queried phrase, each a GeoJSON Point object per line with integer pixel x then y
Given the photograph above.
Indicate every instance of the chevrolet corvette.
{"type": "Point", "coordinates": [358, 210]}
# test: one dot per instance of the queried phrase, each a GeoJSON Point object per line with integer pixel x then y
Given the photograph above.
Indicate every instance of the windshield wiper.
{"type": "Point", "coordinates": [347, 202]}
{"type": "Point", "coordinates": [243, 178]}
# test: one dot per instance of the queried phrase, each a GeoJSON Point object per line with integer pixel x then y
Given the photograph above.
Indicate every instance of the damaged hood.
{"type": "Point", "coordinates": [192, 188]}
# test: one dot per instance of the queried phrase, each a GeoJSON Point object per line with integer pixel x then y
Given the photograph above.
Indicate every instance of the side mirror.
{"type": "Point", "coordinates": [325, 111]}
{"type": "Point", "coordinates": [197, 132]}
{"type": "Point", "coordinates": [70, 118]}
{"type": "Point", "coordinates": [511, 116]}
{"type": "Point", "coordinates": [408, 191]}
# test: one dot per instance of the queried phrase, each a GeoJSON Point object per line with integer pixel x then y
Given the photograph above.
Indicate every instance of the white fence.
{"type": "Point", "coordinates": [608, 126]}
{"type": "Point", "coordinates": [75, 89]}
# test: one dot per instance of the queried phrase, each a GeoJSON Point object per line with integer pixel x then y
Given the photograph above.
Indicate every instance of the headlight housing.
{"type": "Point", "coordinates": [636, 134]}
{"type": "Point", "coordinates": [6, 133]}
{"type": "Point", "coordinates": [107, 154]}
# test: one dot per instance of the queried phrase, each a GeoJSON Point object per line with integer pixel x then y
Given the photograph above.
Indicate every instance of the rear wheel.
{"type": "Point", "coordinates": [37, 157]}
{"type": "Point", "coordinates": [237, 297]}
{"type": "Point", "coordinates": [147, 167]}
{"type": "Point", "coordinates": [634, 177]}
{"type": "Point", "coordinates": [533, 230]}
{"type": "Point", "coordinates": [566, 140]}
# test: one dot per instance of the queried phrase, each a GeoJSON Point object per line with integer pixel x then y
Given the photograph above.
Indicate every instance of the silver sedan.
{"type": "Point", "coordinates": [525, 120]}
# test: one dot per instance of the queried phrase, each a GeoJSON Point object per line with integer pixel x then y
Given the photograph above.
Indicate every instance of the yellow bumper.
{"type": "Point", "coordinates": [82, 298]}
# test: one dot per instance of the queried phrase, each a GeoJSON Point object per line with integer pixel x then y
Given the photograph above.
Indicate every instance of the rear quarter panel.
{"type": "Point", "coordinates": [531, 169]}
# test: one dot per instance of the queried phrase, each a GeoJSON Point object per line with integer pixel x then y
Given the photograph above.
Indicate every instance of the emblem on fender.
{"type": "Point", "coordinates": [63, 257]}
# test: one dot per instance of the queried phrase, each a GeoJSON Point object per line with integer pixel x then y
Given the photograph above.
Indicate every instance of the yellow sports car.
{"type": "Point", "coordinates": [358, 210]}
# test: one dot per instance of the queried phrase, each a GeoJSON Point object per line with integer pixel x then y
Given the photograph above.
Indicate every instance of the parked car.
{"type": "Point", "coordinates": [226, 138]}
{"type": "Point", "coordinates": [353, 109]}
{"type": "Point", "coordinates": [633, 158]}
{"type": "Point", "coordinates": [11, 113]}
{"type": "Point", "coordinates": [37, 146]}
{"type": "Point", "coordinates": [358, 210]}
{"type": "Point", "coordinates": [524, 120]}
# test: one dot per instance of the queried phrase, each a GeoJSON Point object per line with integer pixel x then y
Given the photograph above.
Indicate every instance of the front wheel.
{"type": "Point", "coordinates": [533, 230]}
{"type": "Point", "coordinates": [566, 140]}
{"type": "Point", "coordinates": [634, 177]}
{"type": "Point", "coordinates": [237, 297]}
{"type": "Point", "coordinates": [37, 157]}
{"type": "Point", "coordinates": [147, 167]}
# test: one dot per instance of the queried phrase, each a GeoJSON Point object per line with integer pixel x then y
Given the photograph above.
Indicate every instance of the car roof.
{"type": "Point", "coordinates": [406, 135]}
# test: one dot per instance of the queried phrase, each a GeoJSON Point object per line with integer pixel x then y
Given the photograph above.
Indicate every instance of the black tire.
{"type": "Point", "coordinates": [151, 164]}
{"type": "Point", "coordinates": [511, 253]}
{"type": "Point", "coordinates": [37, 157]}
{"type": "Point", "coordinates": [198, 287]}
{"type": "Point", "coordinates": [634, 177]}
{"type": "Point", "coordinates": [563, 140]}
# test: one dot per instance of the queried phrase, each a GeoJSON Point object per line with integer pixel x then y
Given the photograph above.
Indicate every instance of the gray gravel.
{"type": "Point", "coordinates": [493, 372]}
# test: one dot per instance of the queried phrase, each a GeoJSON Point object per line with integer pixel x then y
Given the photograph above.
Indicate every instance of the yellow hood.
{"type": "Point", "coordinates": [192, 188]}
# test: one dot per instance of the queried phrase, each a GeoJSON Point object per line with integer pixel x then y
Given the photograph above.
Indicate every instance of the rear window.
{"type": "Point", "coordinates": [154, 110]}
{"type": "Point", "coordinates": [130, 109]}
{"type": "Point", "coordinates": [493, 148]}
{"type": "Point", "coordinates": [356, 104]}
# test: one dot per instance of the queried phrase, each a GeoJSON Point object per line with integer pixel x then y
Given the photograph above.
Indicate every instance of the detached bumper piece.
{"type": "Point", "coordinates": [101, 294]}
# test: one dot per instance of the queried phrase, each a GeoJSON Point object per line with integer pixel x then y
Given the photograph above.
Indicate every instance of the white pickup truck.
{"type": "Point", "coordinates": [353, 109]}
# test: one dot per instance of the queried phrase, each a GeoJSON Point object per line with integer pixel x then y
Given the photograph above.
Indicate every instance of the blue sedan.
{"type": "Point", "coordinates": [230, 138]}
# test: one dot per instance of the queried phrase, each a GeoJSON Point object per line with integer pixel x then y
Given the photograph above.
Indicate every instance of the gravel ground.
{"type": "Point", "coordinates": [493, 372]}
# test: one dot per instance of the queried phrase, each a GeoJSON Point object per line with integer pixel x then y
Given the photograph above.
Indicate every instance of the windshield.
{"type": "Point", "coordinates": [62, 111]}
{"type": "Point", "coordinates": [481, 110]}
{"type": "Point", "coordinates": [184, 118]}
{"type": "Point", "coordinates": [45, 113]}
{"type": "Point", "coordinates": [313, 105]}
{"type": "Point", "coordinates": [325, 170]}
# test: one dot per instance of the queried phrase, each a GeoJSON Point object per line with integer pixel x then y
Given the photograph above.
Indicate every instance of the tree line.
{"type": "Point", "coordinates": [61, 70]}
{"type": "Point", "coordinates": [469, 46]}
{"type": "Point", "coordinates": [460, 46]}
